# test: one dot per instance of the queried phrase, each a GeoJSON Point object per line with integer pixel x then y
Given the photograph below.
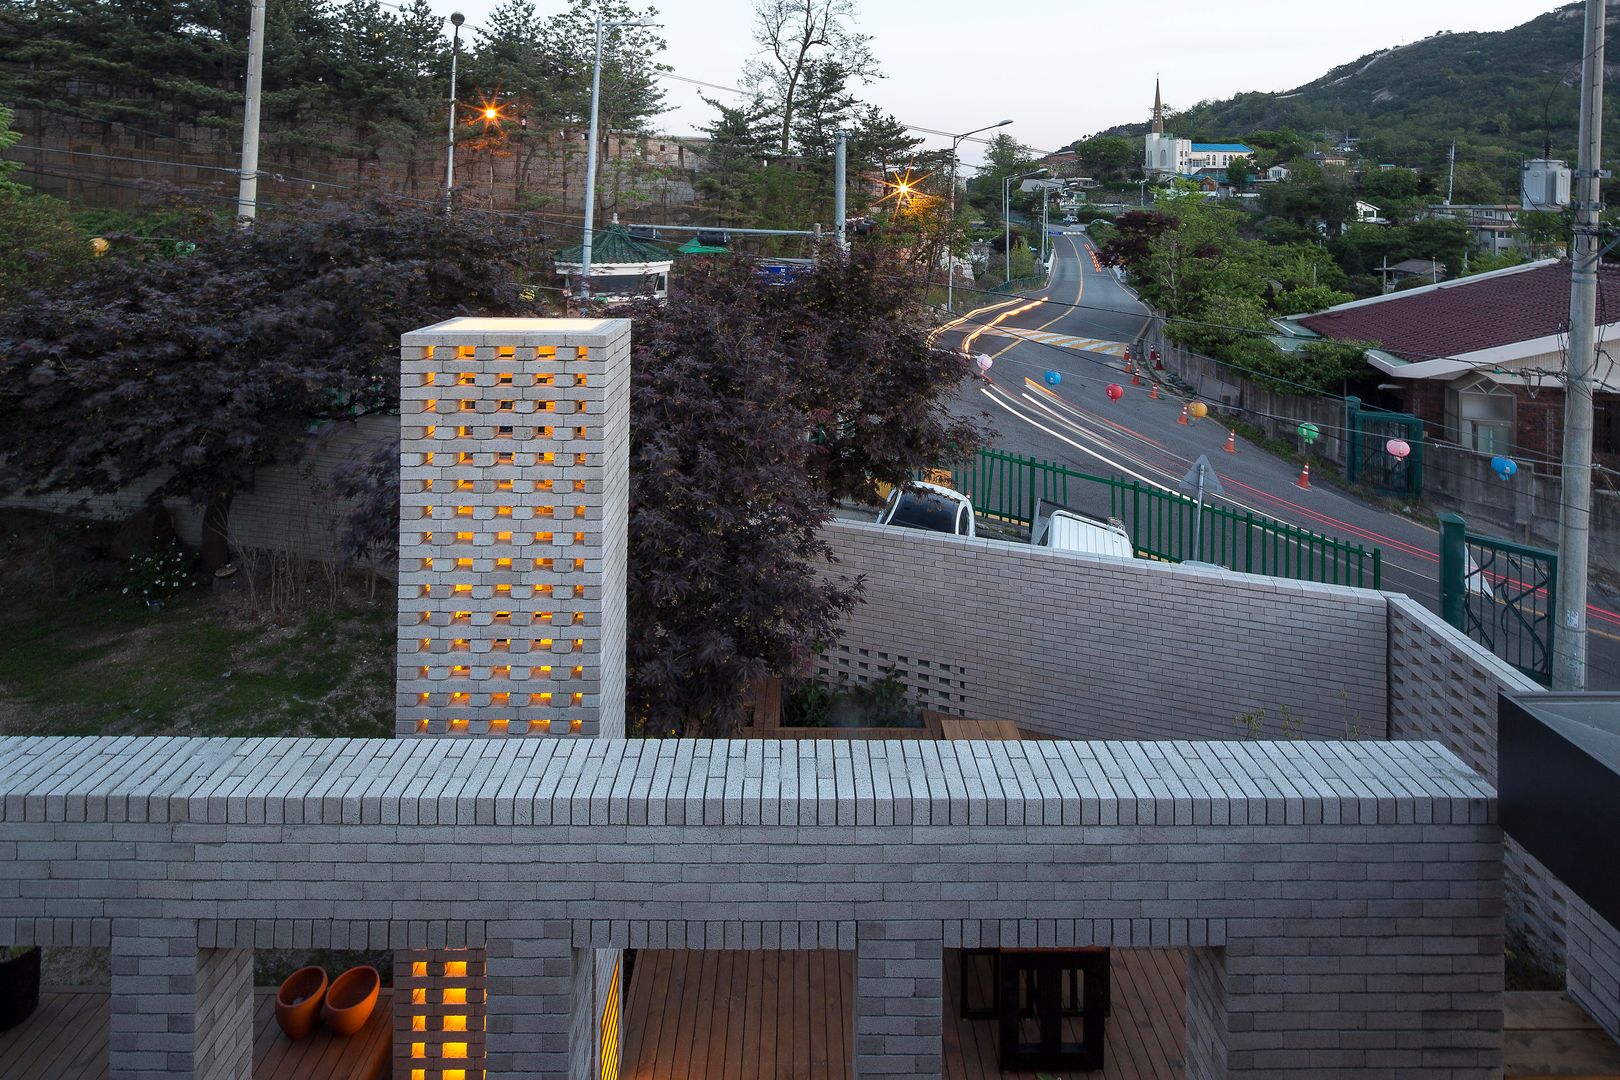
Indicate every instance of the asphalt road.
{"type": "Point", "coordinates": [1078, 327]}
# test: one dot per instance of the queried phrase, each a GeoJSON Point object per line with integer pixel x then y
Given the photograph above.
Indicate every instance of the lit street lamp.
{"type": "Point", "coordinates": [1006, 220]}
{"type": "Point", "coordinates": [590, 154]}
{"type": "Point", "coordinates": [456, 19]}
{"type": "Point", "coordinates": [950, 264]}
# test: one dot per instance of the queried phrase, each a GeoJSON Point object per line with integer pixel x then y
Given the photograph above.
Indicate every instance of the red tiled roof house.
{"type": "Point", "coordinates": [1481, 359]}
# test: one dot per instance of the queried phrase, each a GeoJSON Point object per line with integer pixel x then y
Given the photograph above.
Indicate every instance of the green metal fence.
{"type": "Point", "coordinates": [1006, 487]}
{"type": "Point", "coordinates": [1501, 594]}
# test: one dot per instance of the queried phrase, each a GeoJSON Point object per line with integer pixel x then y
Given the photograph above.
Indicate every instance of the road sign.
{"type": "Point", "coordinates": [1201, 480]}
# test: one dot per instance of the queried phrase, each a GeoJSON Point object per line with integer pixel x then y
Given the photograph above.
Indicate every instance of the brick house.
{"type": "Point", "coordinates": [1480, 359]}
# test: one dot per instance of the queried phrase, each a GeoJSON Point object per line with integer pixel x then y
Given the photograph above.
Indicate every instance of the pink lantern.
{"type": "Point", "coordinates": [1114, 391]}
{"type": "Point", "coordinates": [984, 362]}
{"type": "Point", "coordinates": [1398, 449]}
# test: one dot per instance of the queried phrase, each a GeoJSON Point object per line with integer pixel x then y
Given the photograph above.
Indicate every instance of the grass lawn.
{"type": "Point", "coordinates": [84, 659]}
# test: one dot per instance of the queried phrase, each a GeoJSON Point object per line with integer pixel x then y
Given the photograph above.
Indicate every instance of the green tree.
{"type": "Point", "coordinates": [39, 245]}
{"type": "Point", "coordinates": [1239, 171]}
{"type": "Point", "coordinates": [1108, 157]}
{"type": "Point", "coordinates": [793, 37]}
{"type": "Point", "coordinates": [8, 139]}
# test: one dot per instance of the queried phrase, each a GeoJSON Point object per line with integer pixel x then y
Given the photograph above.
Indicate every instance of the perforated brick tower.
{"type": "Point", "coordinates": [514, 505]}
{"type": "Point", "coordinates": [514, 516]}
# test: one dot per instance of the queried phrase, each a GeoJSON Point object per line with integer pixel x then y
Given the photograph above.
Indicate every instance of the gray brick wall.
{"type": "Point", "coordinates": [1594, 964]}
{"type": "Point", "coordinates": [1084, 647]}
{"type": "Point", "coordinates": [1320, 868]}
{"type": "Point", "coordinates": [1444, 687]}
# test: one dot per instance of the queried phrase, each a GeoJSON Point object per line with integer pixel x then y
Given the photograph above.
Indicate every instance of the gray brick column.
{"type": "Point", "coordinates": [1330, 997]}
{"type": "Point", "coordinates": [539, 1024]}
{"type": "Point", "coordinates": [175, 1009]}
{"type": "Point", "coordinates": [899, 992]}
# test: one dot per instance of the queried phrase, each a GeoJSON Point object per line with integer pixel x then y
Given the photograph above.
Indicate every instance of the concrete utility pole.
{"type": "Point", "coordinates": [456, 19]}
{"type": "Point", "coordinates": [590, 154]}
{"type": "Point", "coordinates": [1575, 521]}
{"type": "Point", "coordinates": [1451, 172]}
{"type": "Point", "coordinates": [247, 185]}
{"type": "Point", "coordinates": [840, 182]}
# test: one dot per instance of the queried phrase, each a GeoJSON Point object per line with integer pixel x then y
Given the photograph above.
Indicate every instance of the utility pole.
{"type": "Point", "coordinates": [456, 19]}
{"type": "Point", "coordinates": [950, 229]}
{"type": "Point", "coordinates": [840, 180]}
{"type": "Point", "coordinates": [1451, 172]}
{"type": "Point", "coordinates": [590, 171]}
{"type": "Point", "coordinates": [247, 185]}
{"type": "Point", "coordinates": [1575, 520]}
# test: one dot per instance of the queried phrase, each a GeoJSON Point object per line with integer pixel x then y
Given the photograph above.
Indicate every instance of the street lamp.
{"type": "Point", "coordinates": [590, 154]}
{"type": "Point", "coordinates": [950, 265]}
{"type": "Point", "coordinates": [1006, 222]}
{"type": "Point", "coordinates": [456, 19]}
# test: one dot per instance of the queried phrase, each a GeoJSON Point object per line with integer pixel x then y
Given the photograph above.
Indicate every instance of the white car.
{"type": "Point", "coordinates": [929, 507]}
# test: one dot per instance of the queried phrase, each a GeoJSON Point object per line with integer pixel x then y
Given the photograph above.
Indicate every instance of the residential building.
{"type": "Point", "coordinates": [1368, 214]}
{"type": "Point", "coordinates": [1492, 227]}
{"type": "Point", "coordinates": [1327, 160]}
{"type": "Point", "coordinates": [1479, 359]}
{"type": "Point", "coordinates": [1276, 174]}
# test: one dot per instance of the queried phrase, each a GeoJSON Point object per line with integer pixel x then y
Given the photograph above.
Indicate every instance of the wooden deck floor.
{"type": "Point", "coordinates": [66, 1039]}
{"type": "Point", "coordinates": [1548, 1035]}
{"type": "Point", "coordinates": [788, 1016]}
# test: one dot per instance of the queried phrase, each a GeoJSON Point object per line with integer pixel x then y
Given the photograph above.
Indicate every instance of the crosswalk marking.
{"type": "Point", "coordinates": [1062, 341]}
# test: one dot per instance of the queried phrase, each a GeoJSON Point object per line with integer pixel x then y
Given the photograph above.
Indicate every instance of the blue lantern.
{"type": "Point", "coordinates": [1053, 378]}
{"type": "Point", "coordinates": [1504, 466]}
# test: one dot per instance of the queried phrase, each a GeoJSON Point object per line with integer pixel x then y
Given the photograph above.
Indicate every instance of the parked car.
{"type": "Point", "coordinates": [1062, 529]}
{"type": "Point", "coordinates": [930, 507]}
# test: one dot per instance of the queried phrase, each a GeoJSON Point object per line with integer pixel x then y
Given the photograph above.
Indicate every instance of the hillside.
{"type": "Point", "coordinates": [1498, 94]}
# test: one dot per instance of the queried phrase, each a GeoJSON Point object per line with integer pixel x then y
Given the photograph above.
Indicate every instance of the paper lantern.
{"type": "Point", "coordinates": [984, 361]}
{"type": "Point", "coordinates": [1309, 432]}
{"type": "Point", "coordinates": [1114, 391]}
{"type": "Point", "coordinates": [1504, 466]}
{"type": "Point", "coordinates": [1198, 409]}
{"type": "Point", "coordinates": [99, 245]}
{"type": "Point", "coordinates": [1053, 378]}
{"type": "Point", "coordinates": [1398, 449]}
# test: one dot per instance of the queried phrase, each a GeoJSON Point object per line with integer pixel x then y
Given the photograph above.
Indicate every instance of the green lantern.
{"type": "Point", "coordinates": [1309, 432]}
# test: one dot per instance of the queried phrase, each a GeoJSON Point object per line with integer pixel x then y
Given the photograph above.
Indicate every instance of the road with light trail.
{"type": "Point", "coordinates": [1078, 327]}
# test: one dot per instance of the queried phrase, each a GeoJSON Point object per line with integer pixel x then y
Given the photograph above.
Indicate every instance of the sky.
{"type": "Point", "coordinates": [1062, 70]}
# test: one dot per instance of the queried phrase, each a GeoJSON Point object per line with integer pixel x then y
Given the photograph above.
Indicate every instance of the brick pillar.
{"type": "Point", "coordinates": [514, 511]}
{"type": "Point", "coordinates": [899, 1006]}
{"type": "Point", "coordinates": [1593, 953]}
{"type": "Point", "coordinates": [541, 1021]}
{"type": "Point", "coordinates": [1328, 997]}
{"type": "Point", "coordinates": [175, 1009]}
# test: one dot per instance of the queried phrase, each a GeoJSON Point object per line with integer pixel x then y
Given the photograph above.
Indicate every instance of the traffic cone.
{"type": "Point", "coordinates": [1231, 441]}
{"type": "Point", "coordinates": [1158, 361]}
{"type": "Point", "coordinates": [1136, 379]}
{"type": "Point", "coordinates": [1154, 393]}
{"type": "Point", "coordinates": [1182, 419]}
{"type": "Point", "coordinates": [1304, 480]}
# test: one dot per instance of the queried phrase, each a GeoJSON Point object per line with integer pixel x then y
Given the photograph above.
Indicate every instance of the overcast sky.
{"type": "Point", "coordinates": [951, 65]}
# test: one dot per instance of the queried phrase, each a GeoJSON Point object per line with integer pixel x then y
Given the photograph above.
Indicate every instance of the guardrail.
{"type": "Point", "coordinates": [1005, 487]}
{"type": "Point", "coordinates": [1501, 594]}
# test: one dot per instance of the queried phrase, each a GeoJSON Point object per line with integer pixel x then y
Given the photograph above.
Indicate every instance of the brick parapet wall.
{"type": "Point", "coordinates": [1087, 647]}
{"type": "Point", "coordinates": [1379, 861]}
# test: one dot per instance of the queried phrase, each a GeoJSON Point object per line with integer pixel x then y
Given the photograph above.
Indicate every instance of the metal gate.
{"type": "Point", "coordinates": [1367, 458]}
{"type": "Point", "coordinates": [1501, 594]}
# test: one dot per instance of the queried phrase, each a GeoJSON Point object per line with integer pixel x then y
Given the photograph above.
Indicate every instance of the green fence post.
{"type": "Point", "coordinates": [1453, 569]}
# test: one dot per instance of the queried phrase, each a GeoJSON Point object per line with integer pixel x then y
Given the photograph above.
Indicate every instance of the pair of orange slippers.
{"type": "Point", "coordinates": [304, 1000]}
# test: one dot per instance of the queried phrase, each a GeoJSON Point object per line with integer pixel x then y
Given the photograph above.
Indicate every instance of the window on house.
{"type": "Point", "coordinates": [1483, 415]}
{"type": "Point", "coordinates": [1606, 424]}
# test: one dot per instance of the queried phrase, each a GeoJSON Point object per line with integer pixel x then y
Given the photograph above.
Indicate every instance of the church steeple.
{"type": "Point", "coordinates": [1158, 110]}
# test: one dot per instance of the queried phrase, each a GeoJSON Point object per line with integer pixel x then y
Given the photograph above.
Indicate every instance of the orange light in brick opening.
{"type": "Point", "coordinates": [455, 969]}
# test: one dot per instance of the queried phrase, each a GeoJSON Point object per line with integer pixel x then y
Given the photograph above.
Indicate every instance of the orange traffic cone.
{"type": "Point", "coordinates": [1231, 441]}
{"type": "Point", "coordinates": [1304, 480]}
{"type": "Point", "coordinates": [1154, 393]}
{"type": "Point", "coordinates": [1182, 419]}
{"type": "Point", "coordinates": [1136, 379]}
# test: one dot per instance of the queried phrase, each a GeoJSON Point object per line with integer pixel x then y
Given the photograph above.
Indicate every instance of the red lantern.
{"type": "Point", "coordinates": [1114, 391]}
{"type": "Point", "coordinates": [1398, 448]}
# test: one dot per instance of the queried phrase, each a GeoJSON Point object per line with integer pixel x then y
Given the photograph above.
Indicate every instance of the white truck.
{"type": "Point", "coordinates": [1062, 529]}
